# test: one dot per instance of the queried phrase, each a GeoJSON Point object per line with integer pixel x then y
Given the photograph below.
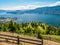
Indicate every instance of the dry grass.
{"type": "Point", "coordinates": [46, 42]}
{"type": "Point", "coordinates": [5, 43]}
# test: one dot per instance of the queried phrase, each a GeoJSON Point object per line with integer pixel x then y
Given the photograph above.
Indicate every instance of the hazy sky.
{"type": "Point", "coordinates": [26, 4]}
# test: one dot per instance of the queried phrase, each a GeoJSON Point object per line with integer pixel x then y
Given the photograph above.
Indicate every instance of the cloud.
{"type": "Point", "coordinates": [24, 7]}
{"type": "Point", "coordinates": [54, 4]}
{"type": "Point", "coordinates": [32, 5]}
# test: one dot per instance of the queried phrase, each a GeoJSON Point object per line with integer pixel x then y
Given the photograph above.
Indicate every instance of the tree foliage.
{"type": "Point", "coordinates": [32, 28]}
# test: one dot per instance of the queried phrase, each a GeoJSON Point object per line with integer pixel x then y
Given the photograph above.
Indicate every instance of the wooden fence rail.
{"type": "Point", "coordinates": [17, 39]}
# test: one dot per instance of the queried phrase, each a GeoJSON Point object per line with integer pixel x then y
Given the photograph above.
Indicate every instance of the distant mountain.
{"type": "Point", "coordinates": [16, 12]}
{"type": "Point", "coordinates": [41, 10]}
{"type": "Point", "coordinates": [48, 10]}
{"type": "Point", "coordinates": [1, 11]}
{"type": "Point", "coordinates": [45, 10]}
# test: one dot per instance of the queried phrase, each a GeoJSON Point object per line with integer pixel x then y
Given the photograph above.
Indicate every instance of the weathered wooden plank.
{"type": "Point", "coordinates": [20, 39]}
{"type": "Point", "coordinates": [8, 35]}
{"type": "Point", "coordinates": [30, 42]}
{"type": "Point", "coordinates": [31, 39]}
{"type": "Point", "coordinates": [8, 38]}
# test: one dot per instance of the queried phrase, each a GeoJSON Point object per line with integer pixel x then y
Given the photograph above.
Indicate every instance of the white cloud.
{"type": "Point", "coordinates": [26, 7]}
{"type": "Point", "coordinates": [22, 7]}
{"type": "Point", "coordinates": [31, 6]}
{"type": "Point", "coordinates": [54, 4]}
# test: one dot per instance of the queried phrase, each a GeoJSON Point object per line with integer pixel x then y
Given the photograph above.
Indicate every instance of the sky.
{"type": "Point", "coordinates": [26, 4]}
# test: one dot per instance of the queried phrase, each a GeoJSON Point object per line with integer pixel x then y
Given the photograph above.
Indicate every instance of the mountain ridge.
{"type": "Point", "coordinates": [40, 10]}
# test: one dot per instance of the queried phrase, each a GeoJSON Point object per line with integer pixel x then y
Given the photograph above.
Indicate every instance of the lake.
{"type": "Point", "coordinates": [45, 18]}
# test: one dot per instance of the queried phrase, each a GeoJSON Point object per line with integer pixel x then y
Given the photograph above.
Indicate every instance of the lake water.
{"type": "Point", "coordinates": [45, 18]}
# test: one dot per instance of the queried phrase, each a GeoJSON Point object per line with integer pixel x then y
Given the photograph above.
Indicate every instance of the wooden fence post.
{"type": "Point", "coordinates": [42, 41]}
{"type": "Point", "coordinates": [7, 40]}
{"type": "Point", "coordinates": [40, 37]}
{"type": "Point", "coordinates": [18, 40]}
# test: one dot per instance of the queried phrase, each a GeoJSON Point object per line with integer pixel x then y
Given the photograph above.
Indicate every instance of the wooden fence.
{"type": "Point", "coordinates": [17, 40]}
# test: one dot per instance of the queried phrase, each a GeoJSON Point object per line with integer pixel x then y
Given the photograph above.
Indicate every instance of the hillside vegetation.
{"type": "Point", "coordinates": [32, 28]}
{"type": "Point", "coordinates": [48, 32]}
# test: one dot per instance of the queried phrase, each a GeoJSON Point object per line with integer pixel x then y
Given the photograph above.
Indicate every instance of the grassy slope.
{"type": "Point", "coordinates": [55, 38]}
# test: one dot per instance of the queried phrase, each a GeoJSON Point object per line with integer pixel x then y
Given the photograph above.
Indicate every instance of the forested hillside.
{"type": "Point", "coordinates": [32, 28]}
